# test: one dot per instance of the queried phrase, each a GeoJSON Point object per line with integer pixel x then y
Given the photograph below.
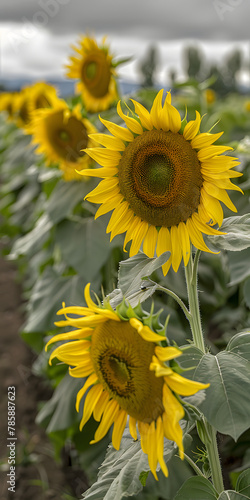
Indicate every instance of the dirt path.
{"type": "Point", "coordinates": [35, 475]}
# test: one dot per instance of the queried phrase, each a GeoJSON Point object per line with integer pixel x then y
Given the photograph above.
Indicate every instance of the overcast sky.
{"type": "Point", "coordinates": [36, 34]}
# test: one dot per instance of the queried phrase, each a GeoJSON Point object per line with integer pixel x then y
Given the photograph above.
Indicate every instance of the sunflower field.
{"type": "Point", "coordinates": [127, 217]}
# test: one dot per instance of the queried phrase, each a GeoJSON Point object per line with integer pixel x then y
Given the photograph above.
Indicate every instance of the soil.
{"type": "Point", "coordinates": [37, 475]}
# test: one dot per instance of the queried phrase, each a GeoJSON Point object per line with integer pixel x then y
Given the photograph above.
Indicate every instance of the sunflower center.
{"type": "Point", "coordinates": [121, 359]}
{"type": "Point", "coordinates": [67, 138]}
{"type": "Point", "coordinates": [96, 74]}
{"type": "Point", "coordinates": [160, 177]}
{"type": "Point", "coordinates": [42, 102]}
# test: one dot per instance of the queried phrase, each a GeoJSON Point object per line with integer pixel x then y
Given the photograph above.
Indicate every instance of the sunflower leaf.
{"type": "Point", "coordinates": [229, 393]}
{"type": "Point", "coordinates": [120, 473]}
{"type": "Point", "coordinates": [196, 488]}
{"type": "Point", "coordinates": [231, 495]}
{"type": "Point", "coordinates": [243, 483]}
{"type": "Point", "coordinates": [237, 235]}
{"type": "Point", "coordinates": [132, 276]}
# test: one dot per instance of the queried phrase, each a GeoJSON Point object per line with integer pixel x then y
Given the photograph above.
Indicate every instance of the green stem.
{"type": "Point", "coordinates": [177, 299]}
{"type": "Point", "coordinates": [214, 459]}
{"type": "Point", "coordinates": [193, 465]}
{"type": "Point", "coordinates": [209, 436]}
{"type": "Point", "coordinates": [195, 320]}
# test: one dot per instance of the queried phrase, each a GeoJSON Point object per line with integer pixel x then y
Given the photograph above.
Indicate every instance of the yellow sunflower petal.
{"type": "Point", "coordinates": [132, 427]}
{"type": "Point", "coordinates": [90, 402]}
{"type": "Point", "coordinates": [167, 353]}
{"type": "Point", "coordinates": [164, 241]}
{"type": "Point", "coordinates": [156, 110]}
{"type": "Point", "coordinates": [185, 242]}
{"type": "Point", "coordinates": [204, 140]}
{"type": "Point", "coordinates": [152, 449]}
{"type": "Point", "coordinates": [131, 123]}
{"type": "Point", "coordinates": [144, 331]}
{"type": "Point", "coordinates": [105, 157]}
{"type": "Point", "coordinates": [109, 205]}
{"type": "Point", "coordinates": [108, 141]}
{"type": "Point", "coordinates": [173, 413]}
{"type": "Point", "coordinates": [196, 236]}
{"type": "Point", "coordinates": [176, 248]}
{"type": "Point", "coordinates": [211, 151]}
{"type": "Point", "coordinates": [143, 114]}
{"type": "Point", "coordinates": [92, 379]}
{"type": "Point", "coordinates": [160, 445]}
{"type": "Point", "coordinates": [150, 240]}
{"type": "Point", "coordinates": [138, 236]}
{"type": "Point", "coordinates": [109, 415]}
{"type": "Point", "coordinates": [192, 128]}
{"type": "Point", "coordinates": [219, 194]}
{"type": "Point", "coordinates": [121, 132]}
{"type": "Point", "coordinates": [100, 406]}
{"type": "Point", "coordinates": [183, 386]}
{"type": "Point", "coordinates": [119, 426]}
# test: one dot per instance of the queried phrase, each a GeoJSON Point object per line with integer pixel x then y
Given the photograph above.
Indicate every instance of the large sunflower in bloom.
{"type": "Point", "coordinates": [61, 135]}
{"type": "Point", "coordinates": [93, 67]}
{"type": "Point", "coordinates": [164, 180]}
{"type": "Point", "coordinates": [126, 376]}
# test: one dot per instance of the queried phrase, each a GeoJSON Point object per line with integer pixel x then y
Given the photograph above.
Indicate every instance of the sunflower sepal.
{"type": "Point", "coordinates": [114, 64]}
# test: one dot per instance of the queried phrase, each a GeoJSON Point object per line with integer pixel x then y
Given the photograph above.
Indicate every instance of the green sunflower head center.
{"type": "Point", "coordinates": [67, 138]}
{"type": "Point", "coordinates": [160, 177]}
{"type": "Point", "coordinates": [121, 360]}
{"type": "Point", "coordinates": [120, 369]}
{"type": "Point", "coordinates": [158, 173]}
{"type": "Point", "coordinates": [96, 73]}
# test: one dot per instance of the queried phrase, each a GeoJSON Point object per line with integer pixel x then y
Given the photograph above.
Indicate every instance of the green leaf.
{"type": "Point", "coordinates": [237, 237]}
{"type": "Point", "coordinates": [239, 268]}
{"type": "Point", "coordinates": [65, 196]}
{"type": "Point", "coordinates": [32, 241]}
{"type": "Point", "coordinates": [143, 477]}
{"type": "Point", "coordinates": [84, 245]}
{"type": "Point", "coordinates": [196, 488]}
{"type": "Point", "coordinates": [119, 474]}
{"type": "Point", "coordinates": [231, 495]}
{"type": "Point", "coordinates": [240, 345]}
{"type": "Point", "coordinates": [246, 292]}
{"type": "Point", "coordinates": [227, 402]}
{"type": "Point", "coordinates": [47, 296]}
{"type": "Point", "coordinates": [131, 272]}
{"type": "Point", "coordinates": [59, 412]}
{"type": "Point", "coordinates": [243, 483]}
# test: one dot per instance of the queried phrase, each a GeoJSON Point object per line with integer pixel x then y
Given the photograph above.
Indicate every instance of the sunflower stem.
{"type": "Point", "coordinates": [177, 299]}
{"type": "Point", "coordinates": [193, 465]}
{"type": "Point", "coordinates": [191, 271]}
{"type": "Point", "coordinates": [209, 437]}
{"type": "Point", "coordinates": [214, 459]}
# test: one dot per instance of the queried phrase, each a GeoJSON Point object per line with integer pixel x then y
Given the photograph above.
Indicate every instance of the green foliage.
{"type": "Point", "coordinates": [227, 401]}
{"type": "Point", "coordinates": [196, 488]}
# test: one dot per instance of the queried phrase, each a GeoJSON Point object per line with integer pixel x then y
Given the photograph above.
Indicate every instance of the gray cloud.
{"type": "Point", "coordinates": [156, 20]}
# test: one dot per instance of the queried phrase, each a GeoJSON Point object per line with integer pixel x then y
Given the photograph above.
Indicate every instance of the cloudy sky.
{"type": "Point", "coordinates": [35, 35]}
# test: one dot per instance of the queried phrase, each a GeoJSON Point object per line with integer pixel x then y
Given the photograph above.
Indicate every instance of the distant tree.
{"type": "Point", "coordinates": [193, 62]}
{"type": "Point", "coordinates": [148, 66]}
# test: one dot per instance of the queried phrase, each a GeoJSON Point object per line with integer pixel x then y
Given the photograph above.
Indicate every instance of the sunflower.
{"type": "Point", "coordinates": [20, 108]}
{"type": "Point", "coordinates": [6, 103]}
{"type": "Point", "coordinates": [126, 376]}
{"type": "Point", "coordinates": [62, 134]}
{"type": "Point", "coordinates": [94, 68]}
{"type": "Point", "coordinates": [41, 95]}
{"type": "Point", "coordinates": [163, 179]}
